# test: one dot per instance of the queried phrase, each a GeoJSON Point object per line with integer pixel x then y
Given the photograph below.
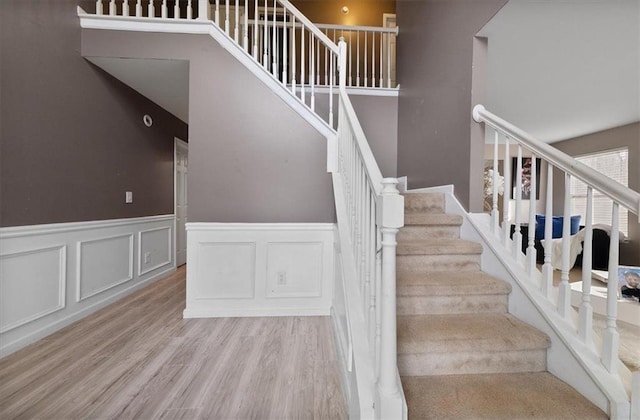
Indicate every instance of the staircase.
{"type": "Point", "coordinates": [460, 353]}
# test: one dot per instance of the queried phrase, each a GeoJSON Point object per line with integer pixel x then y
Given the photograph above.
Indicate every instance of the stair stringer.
{"type": "Point", "coordinates": [568, 358]}
{"type": "Point", "coordinates": [208, 27]}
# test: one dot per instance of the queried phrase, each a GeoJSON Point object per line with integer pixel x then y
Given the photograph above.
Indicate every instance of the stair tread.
{"type": "Point", "coordinates": [446, 283]}
{"type": "Point", "coordinates": [438, 247]}
{"type": "Point", "coordinates": [432, 219]}
{"type": "Point", "coordinates": [467, 332]}
{"type": "Point", "coordinates": [496, 396]}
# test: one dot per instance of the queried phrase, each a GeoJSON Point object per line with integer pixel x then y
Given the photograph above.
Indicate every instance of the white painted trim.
{"type": "Point", "coordinates": [52, 228]}
{"type": "Point", "coordinates": [214, 226]}
{"type": "Point", "coordinates": [203, 27]}
{"type": "Point", "coordinates": [62, 290]}
{"type": "Point", "coordinates": [162, 263]}
{"type": "Point", "coordinates": [357, 91]}
{"type": "Point", "coordinates": [79, 297]}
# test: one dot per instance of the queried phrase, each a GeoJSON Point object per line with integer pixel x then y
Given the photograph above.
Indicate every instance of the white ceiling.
{"type": "Point", "coordinates": [165, 82]}
{"type": "Point", "coordinates": [564, 68]}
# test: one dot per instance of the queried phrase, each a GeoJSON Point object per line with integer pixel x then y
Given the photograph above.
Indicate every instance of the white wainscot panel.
{"type": "Point", "coordinates": [32, 285]}
{"type": "Point", "coordinates": [103, 263]}
{"type": "Point", "coordinates": [226, 270]}
{"type": "Point", "coordinates": [154, 249]}
{"type": "Point", "coordinates": [294, 269]}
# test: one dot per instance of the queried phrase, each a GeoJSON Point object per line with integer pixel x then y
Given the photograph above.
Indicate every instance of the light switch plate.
{"type": "Point", "coordinates": [128, 197]}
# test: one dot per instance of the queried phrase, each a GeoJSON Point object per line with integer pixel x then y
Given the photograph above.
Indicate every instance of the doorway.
{"type": "Point", "coordinates": [181, 164]}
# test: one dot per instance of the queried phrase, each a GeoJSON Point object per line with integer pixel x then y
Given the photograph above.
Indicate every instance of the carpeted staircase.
{"type": "Point", "coordinates": [460, 353]}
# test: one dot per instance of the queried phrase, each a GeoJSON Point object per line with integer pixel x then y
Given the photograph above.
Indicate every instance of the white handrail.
{"type": "Point", "coordinates": [310, 25]}
{"type": "Point", "coordinates": [625, 196]}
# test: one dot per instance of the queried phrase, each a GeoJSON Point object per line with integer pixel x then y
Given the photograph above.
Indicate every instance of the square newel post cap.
{"type": "Point", "coordinates": [390, 205]}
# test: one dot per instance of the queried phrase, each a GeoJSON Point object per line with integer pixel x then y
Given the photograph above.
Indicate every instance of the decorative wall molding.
{"type": "Point", "coordinates": [259, 269]}
{"type": "Point", "coordinates": [52, 275]}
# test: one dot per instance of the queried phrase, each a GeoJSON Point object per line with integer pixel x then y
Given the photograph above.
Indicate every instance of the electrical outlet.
{"type": "Point", "coordinates": [282, 278]}
{"type": "Point", "coordinates": [147, 257]}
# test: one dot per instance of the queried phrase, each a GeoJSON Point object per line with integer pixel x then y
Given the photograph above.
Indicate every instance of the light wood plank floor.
{"type": "Point", "coordinates": [139, 359]}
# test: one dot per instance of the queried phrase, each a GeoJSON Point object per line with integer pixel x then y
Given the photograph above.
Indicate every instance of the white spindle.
{"type": "Point", "coordinates": [381, 60]}
{"type": "Point", "coordinates": [226, 17]}
{"type": "Point", "coordinates": [204, 10]}
{"type": "Point", "coordinates": [312, 56]}
{"type": "Point", "coordinates": [274, 64]}
{"type": "Point", "coordinates": [189, 10]}
{"type": "Point", "coordinates": [151, 10]}
{"type": "Point", "coordinates": [284, 50]}
{"type": "Point", "coordinates": [265, 38]}
{"type": "Point", "coordinates": [99, 7]}
{"type": "Point", "coordinates": [164, 11]}
{"type": "Point", "coordinates": [331, 93]}
{"type": "Point", "coordinates": [366, 52]}
{"type": "Point", "coordinates": [611, 338]}
{"type": "Point", "coordinates": [245, 24]}
{"type": "Point", "coordinates": [373, 60]}
{"type": "Point", "coordinates": [255, 30]}
{"type": "Point", "coordinates": [350, 60]}
{"type": "Point", "coordinates": [176, 9]}
{"type": "Point", "coordinates": [531, 242]}
{"type": "Point", "coordinates": [112, 8]}
{"type": "Point", "coordinates": [517, 234]}
{"type": "Point", "coordinates": [294, 63]}
{"type": "Point", "coordinates": [547, 268]}
{"type": "Point", "coordinates": [326, 66]}
{"type": "Point", "coordinates": [390, 218]}
{"type": "Point", "coordinates": [125, 8]}
{"type": "Point", "coordinates": [389, 61]}
{"type": "Point", "coordinates": [236, 29]}
{"type": "Point", "coordinates": [378, 343]}
{"type": "Point", "coordinates": [495, 221]}
{"type": "Point", "coordinates": [357, 58]}
{"type": "Point", "coordinates": [506, 226]}
{"type": "Point", "coordinates": [302, 60]}
{"type": "Point", "coordinates": [216, 13]}
{"type": "Point", "coordinates": [585, 323]}
{"type": "Point", "coordinates": [317, 61]}
{"type": "Point", "coordinates": [371, 268]}
{"type": "Point", "coordinates": [139, 8]}
{"type": "Point", "coordinates": [564, 289]}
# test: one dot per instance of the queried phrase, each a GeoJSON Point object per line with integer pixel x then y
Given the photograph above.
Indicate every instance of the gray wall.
{"type": "Point", "coordinates": [251, 157]}
{"type": "Point", "coordinates": [72, 138]}
{"type": "Point", "coordinates": [625, 136]}
{"type": "Point", "coordinates": [434, 62]}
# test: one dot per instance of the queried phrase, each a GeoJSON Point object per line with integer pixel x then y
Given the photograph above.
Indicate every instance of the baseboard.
{"type": "Point", "coordinates": [52, 275]}
{"type": "Point", "coordinates": [259, 269]}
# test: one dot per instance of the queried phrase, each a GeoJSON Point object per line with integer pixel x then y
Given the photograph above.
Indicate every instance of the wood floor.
{"type": "Point", "coordinates": [139, 359]}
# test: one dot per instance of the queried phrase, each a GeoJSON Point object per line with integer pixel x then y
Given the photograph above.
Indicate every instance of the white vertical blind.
{"type": "Point", "coordinates": [615, 165]}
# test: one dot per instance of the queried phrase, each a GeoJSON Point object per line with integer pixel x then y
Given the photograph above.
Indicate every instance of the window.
{"type": "Point", "coordinates": [615, 165]}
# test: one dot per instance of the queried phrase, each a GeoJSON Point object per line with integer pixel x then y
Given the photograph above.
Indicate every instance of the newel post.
{"type": "Point", "coordinates": [390, 218]}
{"type": "Point", "coordinates": [204, 11]}
{"type": "Point", "coordinates": [342, 63]}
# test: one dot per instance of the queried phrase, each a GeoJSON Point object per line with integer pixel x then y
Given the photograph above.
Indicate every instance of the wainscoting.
{"type": "Point", "coordinates": [259, 269]}
{"type": "Point", "coordinates": [52, 275]}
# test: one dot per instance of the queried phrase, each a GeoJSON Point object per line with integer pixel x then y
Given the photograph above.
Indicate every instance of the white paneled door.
{"type": "Point", "coordinates": [181, 165]}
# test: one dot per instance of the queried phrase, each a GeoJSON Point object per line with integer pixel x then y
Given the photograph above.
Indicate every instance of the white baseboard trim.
{"type": "Point", "coordinates": [259, 269]}
{"type": "Point", "coordinates": [54, 274]}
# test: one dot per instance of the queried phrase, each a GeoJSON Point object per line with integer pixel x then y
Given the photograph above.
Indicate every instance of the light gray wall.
{"type": "Point", "coordinates": [615, 138]}
{"type": "Point", "coordinates": [72, 138]}
{"type": "Point", "coordinates": [251, 157]}
{"type": "Point", "coordinates": [434, 62]}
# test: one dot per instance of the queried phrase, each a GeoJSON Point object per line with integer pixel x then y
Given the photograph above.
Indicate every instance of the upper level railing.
{"type": "Point", "coordinates": [594, 181]}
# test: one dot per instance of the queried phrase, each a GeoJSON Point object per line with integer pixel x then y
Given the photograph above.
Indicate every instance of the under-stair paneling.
{"type": "Point", "coordinates": [52, 275]}
{"type": "Point", "coordinates": [252, 157]}
{"type": "Point", "coordinates": [259, 269]}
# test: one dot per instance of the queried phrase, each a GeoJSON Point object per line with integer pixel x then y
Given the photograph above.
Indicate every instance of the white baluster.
{"type": "Point", "coordinates": [216, 13]}
{"type": "Point", "coordinates": [125, 8]}
{"type": "Point", "coordinates": [506, 226]}
{"type": "Point", "coordinates": [517, 234]}
{"type": "Point", "coordinates": [99, 7]}
{"type": "Point", "coordinates": [189, 10]}
{"type": "Point", "coordinates": [495, 214]}
{"type": "Point", "coordinates": [331, 93]}
{"type": "Point", "coordinates": [531, 248]}
{"type": "Point", "coordinates": [318, 61]}
{"type": "Point", "coordinates": [236, 29]}
{"type": "Point", "coordinates": [326, 63]}
{"type": "Point", "coordinates": [585, 323]}
{"type": "Point", "coordinates": [265, 38]}
{"type": "Point", "coordinates": [373, 59]}
{"type": "Point", "coordinates": [204, 10]}
{"type": "Point", "coordinates": [564, 290]}
{"type": "Point", "coordinates": [164, 12]}
{"type": "Point", "coordinates": [389, 61]}
{"type": "Point", "coordinates": [284, 50]}
{"type": "Point", "coordinates": [378, 342]}
{"type": "Point", "coordinates": [350, 60]}
{"type": "Point", "coordinates": [245, 33]}
{"type": "Point", "coordinates": [381, 60]}
{"type": "Point", "coordinates": [294, 63]}
{"type": "Point", "coordinates": [151, 10]}
{"type": "Point", "coordinates": [227, 30]}
{"type": "Point", "coordinates": [274, 50]}
{"type": "Point", "coordinates": [139, 8]}
{"type": "Point", "coordinates": [255, 30]}
{"type": "Point", "coordinates": [357, 58]}
{"type": "Point", "coordinates": [390, 217]}
{"type": "Point", "coordinates": [610, 337]}
{"type": "Point", "coordinates": [176, 10]}
{"type": "Point", "coordinates": [371, 268]}
{"type": "Point", "coordinates": [366, 52]}
{"type": "Point", "coordinates": [547, 268]}
{"type": "Point", "coordinates": [112, 8]}
{"type": "Point", "coordinates": [312, 56]}
{"type": "Point", "coordinates": [302, 60]}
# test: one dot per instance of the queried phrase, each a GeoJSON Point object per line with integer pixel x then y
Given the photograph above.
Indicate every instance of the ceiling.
{"type": "Point", "coordinates": [562, 69]}
{"type": "Point", "coordinates": [165, 82]}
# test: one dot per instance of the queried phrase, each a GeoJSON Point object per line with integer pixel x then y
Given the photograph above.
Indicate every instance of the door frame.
{"type": "Point", "coordinates": [177, 143]}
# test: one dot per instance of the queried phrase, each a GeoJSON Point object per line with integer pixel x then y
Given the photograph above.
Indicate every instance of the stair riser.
{"type": "Point", "coordinates": [440, 305]}
{"type": "Point", "coordinates": [412, 233]}
{"type": "Point", "coordinates": [429, 263]}
{"type": "Point", "coordinates": [421, 203]}
{"type": "Point", "coordinates": [472, 363]}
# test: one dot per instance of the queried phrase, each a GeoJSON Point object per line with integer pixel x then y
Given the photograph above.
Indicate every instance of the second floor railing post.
{"type": "Point", "coordinates": [203, 10]}
{"type": "Point", "coordinates": [342, 63]}
{"type": "Point", "coordinates": [390, 218]}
